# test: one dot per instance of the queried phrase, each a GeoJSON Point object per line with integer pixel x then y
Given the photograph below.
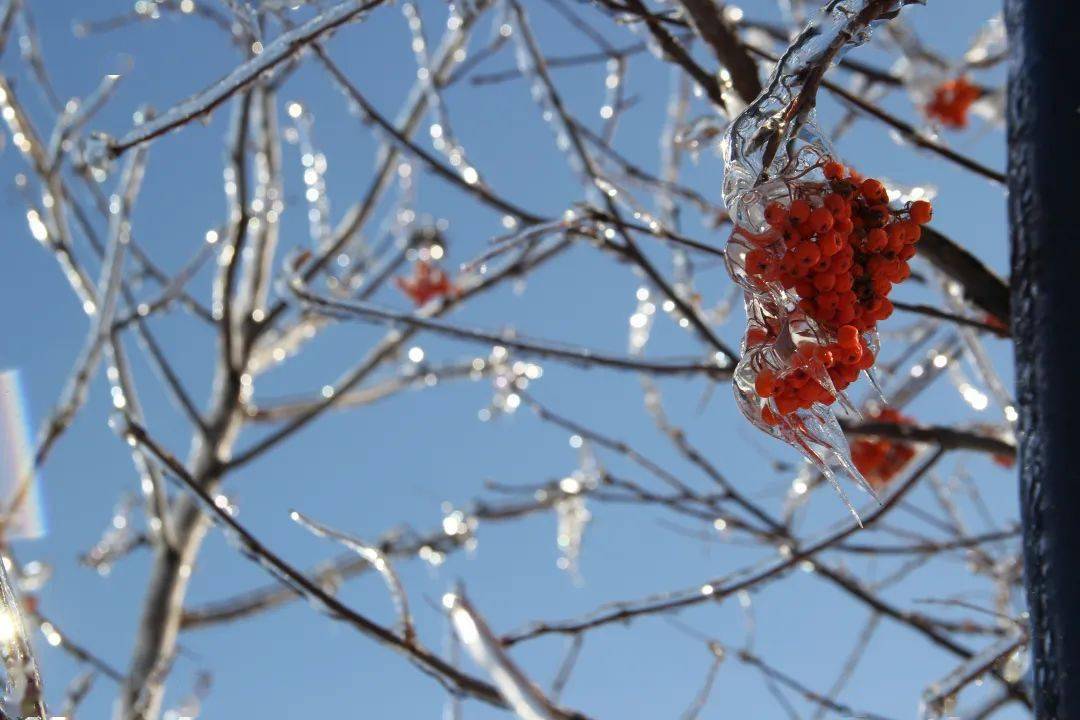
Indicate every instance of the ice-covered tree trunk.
{"type": "Point", "coordinates": [1044, 148]}
{"type": "Point", "coordinates": [159, 626]}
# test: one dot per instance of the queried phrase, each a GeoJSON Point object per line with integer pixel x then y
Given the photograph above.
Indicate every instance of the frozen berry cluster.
{"type": "Point", "coordinates": [826, 263]}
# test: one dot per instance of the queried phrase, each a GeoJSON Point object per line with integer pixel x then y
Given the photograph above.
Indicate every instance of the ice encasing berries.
{"type": "Point", "coordinates": [825, 264]}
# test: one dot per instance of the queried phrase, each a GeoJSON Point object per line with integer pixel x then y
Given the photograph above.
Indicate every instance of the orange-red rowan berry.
{"type": "Point", "coordinates": [798, 212]}
{"type": "Point", "coordinates": [876, 240]}
{"type": "Point", "coordinates": [921, 211]}
{"type": "Point", "coordinates": [820, 220]}
{"type": "Point", "coordinates": [807, 253]}
{"type": "Point", "coordinates": [874, 192]}
{"type": "Point", "coordinates": [824, 281]}
{"type": "Point", "coordinates": [847, 336]}
{"type": "Point", "coordinates": [776, 215]}
{"type": "Point", "coordinates": [833, 170]}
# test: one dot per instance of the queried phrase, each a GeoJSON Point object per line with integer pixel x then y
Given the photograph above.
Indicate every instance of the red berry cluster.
{"type": "Point", "coordinates": [881, 459]}
{"type": "Point", "coordinates": [951, 101]}
{"type": "Point", "coordinates": [428, 281]}
{"type": "Point", "coordinates": [797, 388]}
{"type": "Point", "coordinates": [840, 248]}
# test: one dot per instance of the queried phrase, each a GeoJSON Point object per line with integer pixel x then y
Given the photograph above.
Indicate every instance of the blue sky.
{"type": "Point", "coordinates": [394, 463]}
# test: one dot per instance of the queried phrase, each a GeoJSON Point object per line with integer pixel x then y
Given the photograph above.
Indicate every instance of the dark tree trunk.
{"type": "Point", "coordinates": [1044, 157]}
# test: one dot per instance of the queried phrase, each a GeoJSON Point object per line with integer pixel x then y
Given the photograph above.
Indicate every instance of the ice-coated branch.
{"type": "Point", "coordinates": [940, 697]}
{"type": "Point", "coordinates": [436, 543]}
{"type": "Point", "coordinates": [148, 13]}
{"type": "Point", "coordinates": [470, 184]}
{"type": "Point", "coordinates": [391, 343]}
{"type": "Point", "coordinates": [266, 559]}
{"type": "Point", "coordinates": [933, 312]}
{"type": "Point", "coordinates": [268, 204]}
{"type": "Point", "coordinates": [376, 559]}
{"type": "Point", "coordinates": [540, 348]}
{"type": "Point", "coordinates": [445, 58]}
{"type": "Point", "coordinates": [55, 637]}
{"type": "Point", "coordinates": [76, 693]}
{"type": "Point", "coordinates": [50, 228]}
{"type": "Point", "coordinates": [285, 410]}
{"type": "Point", "coordinates": [903, 128]}
{"type": "Point", "coordinates": [762, 143]}
{"type": "Point", "coordinates": [980, 285]}
{"type": "Point", "coordinates": [280, 50]}
{"type": "Point", "coordinates": [77, 114]}
{"type": "Point", "coordinates": [708, 19]}
{"type": "Point", "coordinates": [7, 20]}
{"type": "Point", "coordinates": [107, 294]}
{"type": "Point", "coordinates": [531, 62]}
{"type": "Point", "coordinates": [943, 436]}
{"type": "Point", "coordinates": [520, 693]}
{"type": "Point", "coordinates": [672, 49]}
{"type": "Point", "coordinates": [118, 371]}
{"type": "Point", "coordinates": [230, 255]}
{"type": "Point", "coordinates": [716, 590]}
{"type": "Point", "coordinates": [823, 701]}
{"type": "Point", "coordinates": [862, 643]}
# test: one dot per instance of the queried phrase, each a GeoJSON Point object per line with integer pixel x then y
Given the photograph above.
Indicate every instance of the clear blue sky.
{"type": "Point", "coordinates": [370, 470]}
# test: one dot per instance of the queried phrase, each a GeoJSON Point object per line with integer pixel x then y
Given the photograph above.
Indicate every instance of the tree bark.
{"type": "Point", "coordinates": [1044, 151]}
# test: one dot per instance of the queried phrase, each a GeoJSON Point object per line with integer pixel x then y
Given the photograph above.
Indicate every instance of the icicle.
{"type": "Point", "coordinates": [314, 164]}
{"type": "Point", "coordinates": [117, 540]}
{"type": "Point", "coordinates": [442, 135]}
{"type": "Point", "coordinates": [509, 377]}
{"type": "Point", "coordinates": [641, 321]}
{"type": "Point", "coordinates": [573, 517]}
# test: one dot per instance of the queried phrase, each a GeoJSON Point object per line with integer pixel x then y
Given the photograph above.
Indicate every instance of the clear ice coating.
{"type": "Point", "coordinates": [376, 558]}
{"type": "Point", "coordinates": [770, 142]}
{"type": "Point", "coordinates": [572, 511]}
{"type": "Point", "coordinates": [773, 147]}
{"type": "Point", "coordinates": [103, 148]}
{"type": "Point", "coordinates": [118, 539]}
{"type": "Point", "coordinates": [23, 693]}
{"type": "Point", "coordinates": [939, 700]}
{"type": "Point", "coordinates": [521, 694]}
